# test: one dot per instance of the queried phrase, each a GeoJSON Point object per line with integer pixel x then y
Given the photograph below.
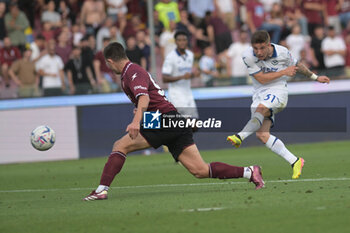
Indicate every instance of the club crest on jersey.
{"type": "Point", "coordinates": [274, 62]}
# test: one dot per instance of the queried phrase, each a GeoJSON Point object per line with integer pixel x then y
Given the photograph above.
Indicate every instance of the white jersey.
{"type": "Point", "coordinates": [179, 92]}
{"type": "Point", "coordinates": [175, 65]}
{"type": "Point", "coordinates": [280, 60]}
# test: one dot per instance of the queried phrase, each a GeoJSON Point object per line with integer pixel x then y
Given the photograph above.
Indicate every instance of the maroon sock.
{"type": "Point", "coordinates": [225, 171]}
{"type": "Point", "coordinates": [112, 167]}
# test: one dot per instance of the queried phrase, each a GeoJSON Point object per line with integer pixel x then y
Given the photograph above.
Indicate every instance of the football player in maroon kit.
{"type": "Point", "coordinates": [146, 95]}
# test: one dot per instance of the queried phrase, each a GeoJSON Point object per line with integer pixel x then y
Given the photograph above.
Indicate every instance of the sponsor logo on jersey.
{"type": "Point", "coordinates": [140, 87]}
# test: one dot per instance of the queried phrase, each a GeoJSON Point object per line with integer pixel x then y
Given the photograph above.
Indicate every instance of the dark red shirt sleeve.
{"type": "Point", "coordinates": [139, 83]}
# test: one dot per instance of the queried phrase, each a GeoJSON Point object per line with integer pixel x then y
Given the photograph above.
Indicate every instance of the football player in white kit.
{"type": "Point", "coordinates": [271, 65]}
{"type": "Point", "coordinates": [177, 71]}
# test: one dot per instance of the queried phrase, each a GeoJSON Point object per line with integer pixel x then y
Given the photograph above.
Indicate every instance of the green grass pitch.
{"type": "Point", "coordinates": [152, 194]}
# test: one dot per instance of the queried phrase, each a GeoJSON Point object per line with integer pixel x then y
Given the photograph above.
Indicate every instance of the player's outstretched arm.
{"type": "Point", "coordinates": [134, 127]}
{"type": "Point", "coordinates": [308, 73]}
{"type": "Point", "coordinates": [264, 78]}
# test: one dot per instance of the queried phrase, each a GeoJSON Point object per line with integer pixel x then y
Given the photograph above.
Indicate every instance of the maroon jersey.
{"type": "Point", "coordinates": [136, 82]}
{"type": "Point", "coordinates": [9, 55]}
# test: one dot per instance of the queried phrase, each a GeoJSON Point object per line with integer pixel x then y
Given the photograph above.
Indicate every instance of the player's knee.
{"type": "Point", "coordinates": [263, 110]}
{"type": "Point", "coordinates": [118, 146]}
{"type": "Point", "coordinates": [263, 136]}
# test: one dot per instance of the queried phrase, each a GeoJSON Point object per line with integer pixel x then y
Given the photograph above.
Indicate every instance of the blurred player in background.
{"type": "Point", "coordinates": [145, 94]}
{"type": "Point", "coordinates": [177, 71]}
{"type": "Point", "coordinates": [271, 65]}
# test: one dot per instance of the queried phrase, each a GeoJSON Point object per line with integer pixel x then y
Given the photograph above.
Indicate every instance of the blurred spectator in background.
{"type": "Point", "coordinates": [138, 7]}
{"type": "Point", "coordinates": [117, 10]}
{"type": "Point", "coordinates": [92, 15]}
{"type": "Point", "coordinates": [293, 15]}
{"type": "Point", "coordinates": [258, 19]}
{"type": "Point", "coordinates": [227, 12]}
{"type": "Point", "coordinates": [134, 53]}
{"type": "Point", "coordinates": [296, 42]}
{"type": "Point", "coordinates": [316, 50]}
{"type": "Point", "coordinates": [186, 26]}
{"type": "Point", "coordinates": [87, 51]}
{"type": "Point", "coordinates": [344, 14]}
{"type": "Point", "coordinates": [198, 8]}
{"type": "Point", "coordinates": [315, 12]}
{"type": "Point", "coordinates": [78, 32]}
{"type": "Point", "coordinates": [168, 11]}
{"type": "Point", "coordinates": [158, 26]}
{"type": "Point", "coordinates": [143, 43]}
{"type": "Point", "coordinates": [92, 44]}
{"type": "Point", "coordinates": [207, 67]}
{"type": "Point", "coordinates": [24, 75]}
{"type": "Point", "coordinates": [51, 16]}
{"type": "Point", "coordinates": [79, 74]}
{"type": "Point", "coordinates": [104, 76]}
{"type": "Point", "coordinates": [8, 55]}
{"type": "Point", "coordinates": [334, 49]}
{"type": "Point", "coordinates": [167, 41]}
{"type": "Point", "coordinates": [347, 62]}
{"type": "Point", "coordinates": [103, 32]}
{"type": "Point", "coordinates": [50, 67]}
{"type": "Point", "coordinates": [38, 9]}
{"type": "Point", "coordinates": [268, 4]}
{"type": "Point", "coordinates": [133, 26]}
{"type": "Point", "coordinates": [116, 36]}
{"type": "Point", "coordinates": [63, 47]}
{"type": "Point", "coordinates": [66, 14]}
{"type": "Point", "coordinates": [47, 31]}
{"type": "Point", "coordinates": [38, 48]}
{"type": "Point", "coordinates": [333, 8]}
{"type": "Point", "coordinates": [202, 38]}
{"type": "Point", "coordinates": [16, 22]}
{"type": "Point", "coordinates": [2, 21]}
{"type": "Point", "coordinates": [219, 34]}
{"type": "Point", "coordinates": [235, 67]}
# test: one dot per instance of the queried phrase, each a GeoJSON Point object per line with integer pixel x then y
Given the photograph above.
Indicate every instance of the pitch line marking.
{"type": "Point", "coordinates": [203, 209]}
{"type": "Point", "coordinates": [175, 185]}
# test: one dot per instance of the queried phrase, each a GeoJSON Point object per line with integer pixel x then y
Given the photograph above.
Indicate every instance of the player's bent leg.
{"type": "Point", "coordinates": [263, 133]}
{"type": "Point", "coordinates": [278, 147]}
{"type": "Point", "coordinates": [127, 145]}
{"type": "Point", "coordinates": [193, 162]}
{"type": "Point", "coordinates": [191, 159]}
{"type": "Point", "coordinates": [253, 125]}
{"type": "Point", "coordinates": [115, 163]}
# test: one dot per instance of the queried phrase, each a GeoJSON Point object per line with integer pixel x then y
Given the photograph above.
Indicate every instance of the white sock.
{"type": "Point", "coordinates": [100, 188]}
{"type": "Point", "coordinates": [252, 126]}
{"type": "Point", "coordinates": [247, 172]}
{"type": "Point", "coordinates": [279, 148]}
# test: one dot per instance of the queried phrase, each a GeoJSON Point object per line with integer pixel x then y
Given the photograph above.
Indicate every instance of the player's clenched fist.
{"type": "Point", "coordinates": [291, 70]}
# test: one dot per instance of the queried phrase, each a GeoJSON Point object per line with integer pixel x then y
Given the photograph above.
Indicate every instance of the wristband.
{"type": "Point", "coordinates": [313, 76]}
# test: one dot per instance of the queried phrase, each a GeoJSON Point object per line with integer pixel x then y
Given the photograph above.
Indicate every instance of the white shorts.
{"type": "Point", "coordinates": [274, 99]}
{"type": "Point", "coordinates": [185, 105]}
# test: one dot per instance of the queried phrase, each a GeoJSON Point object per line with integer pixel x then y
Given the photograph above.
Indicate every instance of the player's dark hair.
{"type": "Point", "coordinates": [114, 51]}
{"type": "Point", "coordinates": [178, 33]}
{"type": "Point", "coordinates": [259, 37]}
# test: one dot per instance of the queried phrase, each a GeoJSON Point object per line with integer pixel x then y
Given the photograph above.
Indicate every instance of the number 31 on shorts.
{"type": "Point", "coordinates": [272, 97]}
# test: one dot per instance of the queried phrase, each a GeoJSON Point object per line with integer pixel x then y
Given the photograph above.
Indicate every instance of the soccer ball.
{"type": "Point", "coordinates": [43, 137]}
